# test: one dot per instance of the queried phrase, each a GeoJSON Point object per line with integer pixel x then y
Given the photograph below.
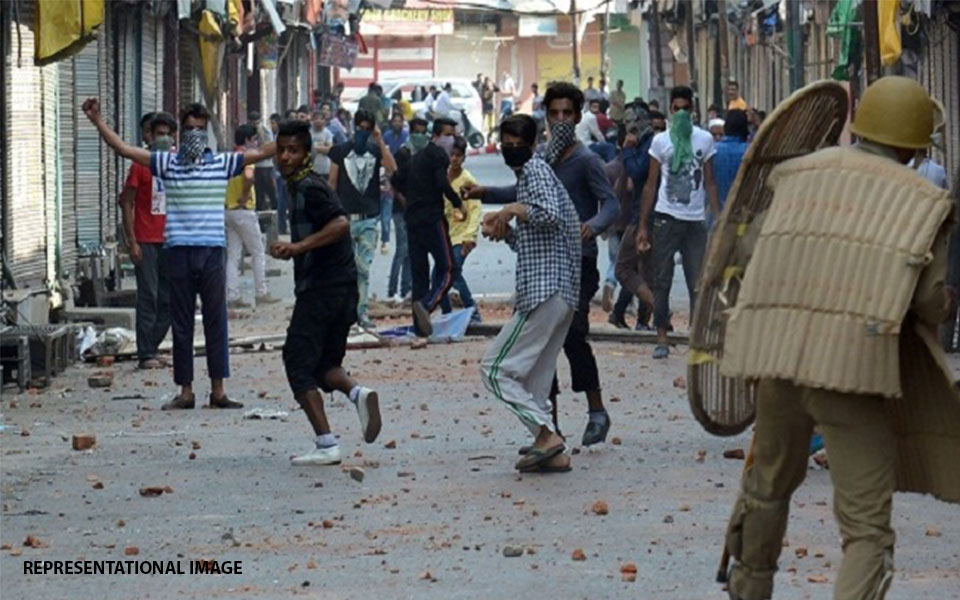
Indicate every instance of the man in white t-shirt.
{"type": "Point", "coordinates": [680, 159]}
{"type": "Point", "coordinates": [508, 94]}
{"type": "Point", "coordinates": [444, 106]}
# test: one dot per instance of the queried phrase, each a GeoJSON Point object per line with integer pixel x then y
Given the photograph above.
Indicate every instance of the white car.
{"type": "Point", "coordinates": [464, 96]}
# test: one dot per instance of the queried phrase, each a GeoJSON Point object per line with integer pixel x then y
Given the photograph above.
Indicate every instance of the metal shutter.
{"type": "Point", "coordinates": [69, 113]}
{"type": "Point", "coordinates": [51, 99]}
{"type": "Point", "coordinates": [88, 170]}
{"type": "Point", "coordinates": [24, 211]}
{"type": "Point", "coordinates": [151, 52]}
{"type": "Point", "coordinates": [188, 68]}
{"type": "Point", "coordinates": [108, 159]}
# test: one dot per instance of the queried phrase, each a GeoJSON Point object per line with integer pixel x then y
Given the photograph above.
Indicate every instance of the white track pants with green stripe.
{"type": "Point", "coordinates": [519, 367]}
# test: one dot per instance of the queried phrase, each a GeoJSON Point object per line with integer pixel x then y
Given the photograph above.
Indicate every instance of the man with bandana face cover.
{"type": "Point", "coordinates": [355, 176]}
{"type": "Point", "coordinates": [195, 180]}
{"type": "Point", "coordinates": [583, 176]}
{"type": "Point", "coordinates": [325, 284]}
{"type": "Point", "coordinates": [543, 228]}
{"type": "Point", "coordinates": [679, 186]}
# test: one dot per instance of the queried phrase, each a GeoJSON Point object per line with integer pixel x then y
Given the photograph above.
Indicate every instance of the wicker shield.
{"type": "Point", "coordinates": [810, 119]}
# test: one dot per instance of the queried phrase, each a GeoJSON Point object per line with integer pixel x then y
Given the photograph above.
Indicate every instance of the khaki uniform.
{"type": "Point", "coordinates": [836, 319]}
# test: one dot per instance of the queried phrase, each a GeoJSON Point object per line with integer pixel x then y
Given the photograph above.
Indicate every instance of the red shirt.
{"type": "Point", "coordinates": [149, 208]}
{"type": "Point", "coordinates": [604, 122]}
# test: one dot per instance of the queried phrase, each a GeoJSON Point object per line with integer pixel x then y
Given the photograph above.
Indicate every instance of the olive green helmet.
{"type": "Point", "coordinates": [896, 111]}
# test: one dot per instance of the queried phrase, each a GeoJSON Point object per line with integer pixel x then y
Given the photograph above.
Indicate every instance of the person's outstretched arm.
{"type": "Point", "coordinates": [141, 156]}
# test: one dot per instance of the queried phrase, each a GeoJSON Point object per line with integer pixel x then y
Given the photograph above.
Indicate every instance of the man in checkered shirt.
{"type": "Point", "coordinates": [520, 365]}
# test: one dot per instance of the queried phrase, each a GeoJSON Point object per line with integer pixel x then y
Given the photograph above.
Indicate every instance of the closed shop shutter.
{"type": "Point", "coordinates": [938, 72]}
{"type": "Point", "coordinates": [24, 237]}
{"type": "Point", "coordinates": [151, 52]}
{"type": "Point", "coordinates": [128, 109]}
{"type": "Point", "coordinates": [88, 166]}
{"type": "Point", "coordinates": [188, 60]}
{"type": "Point", "coordinates": [108, 159]}
{"type": "Point", "coordinates": [69, 113]}
{"type": "Point", "coordinates": [466, 52]}
{"type": "Point", "coordinates": [50, 98]}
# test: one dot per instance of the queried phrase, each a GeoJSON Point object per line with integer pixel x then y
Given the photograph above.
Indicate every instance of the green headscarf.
{"type": "Point", "coordinates": [681, 136]}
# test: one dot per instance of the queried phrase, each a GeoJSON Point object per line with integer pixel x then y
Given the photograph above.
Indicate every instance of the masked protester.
{"type": "Point", "coordinates": [862, 360]}
{"type": "Point", "coordinates": [543, 228]}
{"type": "Point", "coordinates": [399, 285]}
{"type": "Point", "coordinates": [681, 178]}
{"type": "Point", "coordinates": [243, 228]}
{"type": "Point", "coordinates": [144, 218]}
{"type": "Point", "coordinates": [355, 176]}
{"type": "Point", "coordinates": [583, 177]}
{"type": "Point", "coordinates": [194, 240]}
{"type": "Point", "coordinates": [325, 284]}
{"type": "Point", "coordinates": [428, 232]}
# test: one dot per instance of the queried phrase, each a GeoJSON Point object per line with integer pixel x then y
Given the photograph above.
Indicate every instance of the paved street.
{"type": "Point", "coordinates": [438, 503]}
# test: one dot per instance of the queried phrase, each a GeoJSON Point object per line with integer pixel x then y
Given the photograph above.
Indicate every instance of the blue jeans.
{"type": "Point", "coordinates": [281, 203]}
{"type": "Point", "coordinates": [363, 233]}
{"type": "Point", "coordinates": [198, 270]}
{"type": "Point", "coordinates": [613, 248]}
{"type": "Point", "coordinates": [400, 268]}
{"type": "Point", "coordinates": [459, 283]}
{"type": "Point", "coordinates": [153, 300]}
{"type": "Point", "coordinates": [386, 212]}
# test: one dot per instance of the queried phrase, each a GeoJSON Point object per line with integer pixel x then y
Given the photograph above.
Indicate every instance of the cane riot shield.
{"type": "Point", "coordinates": [809, 120]}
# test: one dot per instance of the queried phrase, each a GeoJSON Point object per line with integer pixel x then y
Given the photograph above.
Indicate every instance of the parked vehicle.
{"type": "Point", "coordinates": [473, 135]}
{"type": "Point", "coordinates": [415, 90]}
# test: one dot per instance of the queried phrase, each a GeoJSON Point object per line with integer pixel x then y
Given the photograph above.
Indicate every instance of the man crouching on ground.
{"type": "Point", "coordinates": [325, 284]}
{"type": "Point", "coordinates": [519, 367]}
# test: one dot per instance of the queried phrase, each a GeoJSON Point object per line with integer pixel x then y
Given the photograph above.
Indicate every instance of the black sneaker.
{"type": "Point", "coordinates": [421, 320]}
{"type": "Point", "coordinates": [617, 321]}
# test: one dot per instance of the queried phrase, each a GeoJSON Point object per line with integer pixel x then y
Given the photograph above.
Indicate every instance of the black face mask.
{"type": "Point", "coordinates": [516, 156]}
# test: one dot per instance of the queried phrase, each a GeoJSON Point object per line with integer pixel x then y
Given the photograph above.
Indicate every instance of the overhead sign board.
{"type": "Point", "coordinates": [407, 22]}
{"type": "Point", "coordinates": [531, 26]}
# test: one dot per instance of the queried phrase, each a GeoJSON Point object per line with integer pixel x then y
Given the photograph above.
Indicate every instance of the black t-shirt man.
{"type": "Point", "coordinates": [358, 181]}
{"type": "Point", "coordinates": [332, 266]}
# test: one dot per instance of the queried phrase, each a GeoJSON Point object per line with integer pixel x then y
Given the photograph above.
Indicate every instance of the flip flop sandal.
{"type": "Point", "coordinates": [536, 457]}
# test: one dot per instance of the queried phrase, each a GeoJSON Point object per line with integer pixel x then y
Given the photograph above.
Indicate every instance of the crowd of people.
{"type": "Point", "coordinates": [650, 183]}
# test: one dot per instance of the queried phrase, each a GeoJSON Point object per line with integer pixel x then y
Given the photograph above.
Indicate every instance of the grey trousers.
{"type": "Point", "coordinates": [518, 369]}
{"type": "Point", "coordinates": [670, 236]}
{"type": "Point", "coordinates": [153, 300]}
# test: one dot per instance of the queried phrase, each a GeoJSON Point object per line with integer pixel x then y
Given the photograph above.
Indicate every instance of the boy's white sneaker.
{"type": "Point", "coordinates": [368, 408]}
{"type": "Point", "coordinates": [318, 456]}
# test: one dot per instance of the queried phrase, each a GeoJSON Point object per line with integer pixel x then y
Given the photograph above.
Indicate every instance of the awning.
{"type": "Point", "coordinates": [63, 27]}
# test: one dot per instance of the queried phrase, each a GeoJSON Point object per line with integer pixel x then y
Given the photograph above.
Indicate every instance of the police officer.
{"type": "Point", "coordinates": [836, 318]}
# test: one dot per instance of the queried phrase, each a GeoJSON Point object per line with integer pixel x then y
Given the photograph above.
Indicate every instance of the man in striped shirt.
{"type": "Point", "coordinates": [195, 179]}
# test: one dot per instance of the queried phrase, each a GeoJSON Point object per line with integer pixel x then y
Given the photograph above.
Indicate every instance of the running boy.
{"type": "Point", "coordinates": [325, 284]}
